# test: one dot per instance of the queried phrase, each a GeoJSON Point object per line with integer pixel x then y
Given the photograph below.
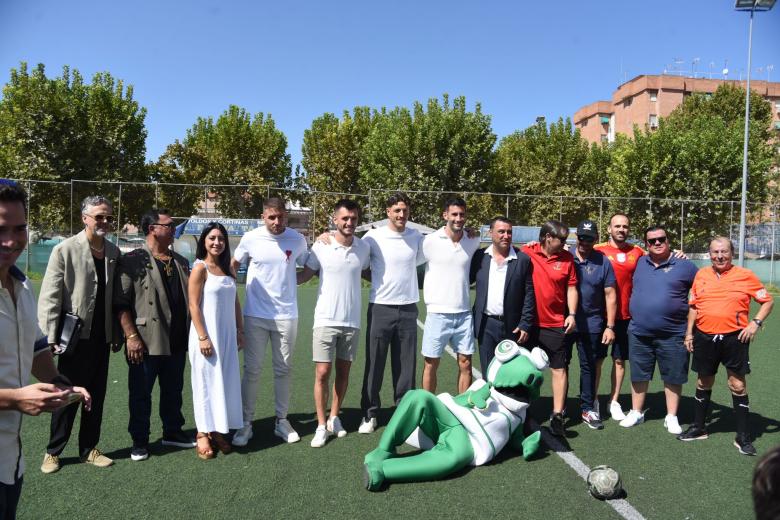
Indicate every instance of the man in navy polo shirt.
{"type": "Point", "coordinates": [597, 299]}
{"type": "Point", "coordinates": [659, 314]}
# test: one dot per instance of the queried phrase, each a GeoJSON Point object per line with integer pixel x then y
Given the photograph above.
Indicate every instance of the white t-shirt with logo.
{"type": "Point", "coordinates": [394, 260]}
{"type": "Point", "coordinates": [446, 285]}
{"type": "Point", "coordinates": [271, 287]}
{"type": "Point", "coordinates": [338, 295]}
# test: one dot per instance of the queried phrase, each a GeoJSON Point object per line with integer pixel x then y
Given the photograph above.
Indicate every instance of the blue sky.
{"type": "Point", "coordinates": [299, 59]}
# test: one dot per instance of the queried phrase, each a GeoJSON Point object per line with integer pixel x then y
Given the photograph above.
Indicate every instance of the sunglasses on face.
{"type": "Point", "coordinates": [657, 240]}
{"type": "Point", "coordinates": [101, 218]}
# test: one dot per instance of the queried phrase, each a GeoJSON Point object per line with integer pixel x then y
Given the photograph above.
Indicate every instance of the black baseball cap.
{"type": "Point", "coordinates": [588, 228]}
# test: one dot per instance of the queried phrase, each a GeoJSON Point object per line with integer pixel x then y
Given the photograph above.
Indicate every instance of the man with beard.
{"type": "Point", "coordinates": [448, 253]}
{"type": "Point", "coordinates": [80, 280]}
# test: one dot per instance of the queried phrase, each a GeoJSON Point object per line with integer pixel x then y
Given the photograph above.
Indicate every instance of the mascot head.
{"type": "Point", "coordinates": [516, 372]}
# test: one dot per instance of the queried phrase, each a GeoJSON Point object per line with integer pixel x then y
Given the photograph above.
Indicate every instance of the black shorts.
{"type": "Point", "coordinates": [553, 342]}
{"type": "Point", "coordinates": [620, 348]}
{"type": "Point", "coordinates": [710, 350]}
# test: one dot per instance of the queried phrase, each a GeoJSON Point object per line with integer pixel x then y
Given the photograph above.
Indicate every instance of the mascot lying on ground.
{"type": "Point", "coordinates": [470, 428]}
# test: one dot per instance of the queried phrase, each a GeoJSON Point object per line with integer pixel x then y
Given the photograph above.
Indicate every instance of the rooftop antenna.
{"type": "Point", "coordinates": [725, 69]}
{"type": "Point", "coordinates": [677, 63]}
{"type": "Point", "coordinates": [769, 69]}
{"type": "Point", "coordinates": [712, 66]}
{"type": "Point", "coordinates": [693, 66]}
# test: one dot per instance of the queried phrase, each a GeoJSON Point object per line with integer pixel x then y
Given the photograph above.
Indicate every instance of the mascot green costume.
{"type": "Point", "coordinates": [470, 428]}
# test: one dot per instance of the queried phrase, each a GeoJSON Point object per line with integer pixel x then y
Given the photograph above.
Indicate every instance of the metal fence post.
{"type": "Point", "coordinates": [507, 206]}
{"type": "Point", "coordinates": [71, 206]}
{"type": "Point", "coordinates": [119, 212]}
{"type": "Point", "coordinates": [156, 194]}
{"type": "Point", "coordinates": [601, 212]}
{"type": "Point", "coordinates": [560, 210]}
{"type": "Point", "coordinates": [27, 256]}
{"type": "Point", "coordinates": [682, 226]}
{"type": "Point", "coordinates": [772, 254]}
{"type": "Point", "coordinates": [731, 221]}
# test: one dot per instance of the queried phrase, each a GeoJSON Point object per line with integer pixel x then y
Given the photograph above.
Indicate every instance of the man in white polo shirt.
{"type": "Point", "coordinates": [270, 312]}
{"type": "Point", "coordinates": [396, 251]}
{"type": "Point", "coordinates": [448, 252]}
{"type": "Point", "coordinates": [337, 314]}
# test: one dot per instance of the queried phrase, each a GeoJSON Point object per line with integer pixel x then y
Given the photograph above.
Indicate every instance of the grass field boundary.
{"type": "Point", "coordinates": [620, 505]}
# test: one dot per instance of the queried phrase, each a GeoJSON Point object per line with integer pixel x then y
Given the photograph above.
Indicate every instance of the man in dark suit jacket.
{"type": "Point", "coordinates": [505, 304]}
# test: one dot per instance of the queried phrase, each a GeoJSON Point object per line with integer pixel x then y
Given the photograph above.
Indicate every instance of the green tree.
{"type": "Point", "coordinates": [236, 149]}
{"type": "Point", "coordinates": [58, 129]}
{"type": "Point", "coordinates": [696, 153]}
{"type": "Point", "coordinates": [554, 162]}
{"type": "Point", "coordinates": [442, 148]}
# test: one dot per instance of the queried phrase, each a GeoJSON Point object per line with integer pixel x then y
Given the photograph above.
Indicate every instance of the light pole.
{"type": "Point", "coordinates": [752, 6]}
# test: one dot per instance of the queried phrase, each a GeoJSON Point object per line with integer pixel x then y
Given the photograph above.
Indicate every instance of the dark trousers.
{"type": "Point", "coordinates": [9, 499]}
{"type": "Point", "coordinates": [490, 334]}
{"type": "Point", "coordinates": [587, 352]}
{"type": "Point", "coordinates": [87, 367]}
{"type": "Point", "coordinates": [141, 378]}
{"type": "Point", "coordinates": [393, 328]}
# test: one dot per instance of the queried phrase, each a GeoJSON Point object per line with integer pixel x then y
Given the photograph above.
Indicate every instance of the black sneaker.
{"type": "Point", "coordinates": [743, 444]}
{"type": "Point", "coordinates": [592, 419]}
{"type": "Point", "coordinates": [178, 439]}
{"type": "Point", "coordinates": [693, 433]}
{"type": "Point", "coordinates": [139, 452]}
{"type": "Point", "coordinates": [556, 425]}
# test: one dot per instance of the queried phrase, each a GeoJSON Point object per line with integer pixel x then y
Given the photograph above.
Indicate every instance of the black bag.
{"type": "Point", "coordinates": [70, 333]}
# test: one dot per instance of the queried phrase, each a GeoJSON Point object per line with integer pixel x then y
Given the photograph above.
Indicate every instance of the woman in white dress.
{"type": "Point", "coordinates": [216, 335]}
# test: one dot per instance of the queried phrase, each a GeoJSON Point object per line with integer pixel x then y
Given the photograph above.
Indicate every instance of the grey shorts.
{"type": "Point", "coordinates": [330, 342]}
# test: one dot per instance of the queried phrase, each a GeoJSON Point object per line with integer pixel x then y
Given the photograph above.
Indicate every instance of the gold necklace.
{"type": "Point", "coordinates": [167, 264]}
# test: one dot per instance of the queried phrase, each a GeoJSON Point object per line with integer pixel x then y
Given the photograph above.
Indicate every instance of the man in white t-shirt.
{"type": "Point", "coordinates": [396, 251]}
{"type": "Point", "coordinates": [448, 252]}
{"type": "Point", "coordinates": [270, 312]}
{"type": "Point", "coordinates": [337, 314]}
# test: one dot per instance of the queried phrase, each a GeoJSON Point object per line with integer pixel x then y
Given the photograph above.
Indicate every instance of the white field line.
{"type": "Point", "coordinates": [621, 506]}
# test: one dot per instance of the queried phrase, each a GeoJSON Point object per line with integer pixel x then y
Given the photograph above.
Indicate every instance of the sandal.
{"type": "Point", "coordinates": [204, 450]}
{"type": "Point", "coordinates": [219, 441]}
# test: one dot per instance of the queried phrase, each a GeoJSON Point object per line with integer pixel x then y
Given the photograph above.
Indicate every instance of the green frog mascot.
{"type": "Point", "coordinates": [470, 428]}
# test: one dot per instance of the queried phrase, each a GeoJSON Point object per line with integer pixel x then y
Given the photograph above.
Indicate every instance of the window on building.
{"type": "Point", "coordinates": [652, 120]}
{"type": "Point", "coordinates": [583, 123]}
{"type": "Point", "coordinates": [627, 102]}
{"type": "Point", "coordinates": [653, 95]}
{"type": "Point", "coordinates": [604, 120]}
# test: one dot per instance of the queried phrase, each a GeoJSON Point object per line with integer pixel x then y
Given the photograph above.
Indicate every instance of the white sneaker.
{"type": "Point", "coordinates": [367, 425]}
{"type": "Point", "coordinates": [616, 411]}
{"type": "Point", "coordinates": [632, 418]}
{"type": "Point", "coordinates": [242, 435]}
{"type": "Point", "coordinates": [285, 431]}
{"type": "Point", "coordinates": [320, 437]}
{"type": "Point", "coordinates": [334, 426]}
{"type": "Point", "coordinates": [672, 425]}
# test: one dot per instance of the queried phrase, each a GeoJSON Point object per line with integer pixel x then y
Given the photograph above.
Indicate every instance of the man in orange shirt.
{"type": "Point", "coordinates": [623, 257]}
{"type": "Point", "coordinates": [555, 288]}
{"type": "Point", "coordinates": [720, 305]}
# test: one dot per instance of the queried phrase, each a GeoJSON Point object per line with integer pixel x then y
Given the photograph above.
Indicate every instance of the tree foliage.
{"type": "Point", "coordinates": [62, 128]}
{"type": "Point", "coordinates": [236, 149]}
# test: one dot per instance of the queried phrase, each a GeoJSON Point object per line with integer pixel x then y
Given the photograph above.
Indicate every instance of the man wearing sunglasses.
{"type": "Point", "coordinates": [151, 299]}
{"type": "Point", "coordinates": [659, 316]}
{"type": "Point", "coordinates": [79, 280]}
{"type": "Point", "coordinates": [597, 302]}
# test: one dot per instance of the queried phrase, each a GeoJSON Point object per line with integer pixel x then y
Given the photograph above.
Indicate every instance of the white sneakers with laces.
{"type": "Point", "coordinates": [616, 411]}
{"type": "Point", "coordinates": [320, 437]}
{"type": "Point", "coordinates": [242, 435]}
{"type": "Point", "coordinates": [672, 425]}
{"type": "Point", "coordinates": [334, 426]}
{"type": "Point", "coordinates": [285, 431]}
{"type": "Point", "coordinates": [367, 425]}
{"type": "Point", "coordinates": [633, 418]}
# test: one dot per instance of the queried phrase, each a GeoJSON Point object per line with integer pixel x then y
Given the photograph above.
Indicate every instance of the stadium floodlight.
{"type": "Point", "coordinates": [752, 6]}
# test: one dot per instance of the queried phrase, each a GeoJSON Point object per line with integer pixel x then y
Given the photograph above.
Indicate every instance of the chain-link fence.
{"type": "Point", "coordinates": [55, 212]}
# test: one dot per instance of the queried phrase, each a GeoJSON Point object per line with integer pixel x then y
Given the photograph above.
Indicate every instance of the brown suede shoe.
{"type": "Point", "coordinates": [97, 459]}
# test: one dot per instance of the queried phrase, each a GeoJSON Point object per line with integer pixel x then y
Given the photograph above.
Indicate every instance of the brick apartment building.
{"type": "Point", "coordinates": [643, 99]}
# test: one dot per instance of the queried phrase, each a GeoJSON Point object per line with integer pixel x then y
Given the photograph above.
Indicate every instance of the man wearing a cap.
{"type": "Point", "coordinates": [597, 299]}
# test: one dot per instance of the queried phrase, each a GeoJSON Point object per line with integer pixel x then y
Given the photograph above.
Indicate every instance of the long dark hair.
{"type": "Point", "coordinates": [224, 258]}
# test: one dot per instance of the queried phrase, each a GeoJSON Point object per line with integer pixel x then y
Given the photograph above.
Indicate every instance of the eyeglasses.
{"type": "Point", "coordinates": [101, 218]}
{"type": "Point", "coordinates": [169, 225]}
{"type": "Point", "coordinates": [657, 240]}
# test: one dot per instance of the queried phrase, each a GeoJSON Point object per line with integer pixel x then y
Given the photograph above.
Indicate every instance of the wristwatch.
{"type": "Point", "coordinates": [611, 327]}
{"type": "Point", "coordinates": [758, 322]}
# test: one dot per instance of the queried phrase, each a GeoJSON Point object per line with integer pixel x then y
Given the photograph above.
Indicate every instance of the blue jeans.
{"type": "Point", "coordinates": [141, 378]}
{"type": "Point", "coordinates": [589, 350]}
{"type": "Point", "coordinates": [9, 499]}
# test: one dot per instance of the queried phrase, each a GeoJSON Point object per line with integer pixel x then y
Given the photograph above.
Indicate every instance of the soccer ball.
{"type": "Point", "coordinates": [604, 483]}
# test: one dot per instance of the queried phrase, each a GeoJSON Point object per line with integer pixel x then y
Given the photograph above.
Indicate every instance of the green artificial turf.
{"type": "Point", "coordinates": [664, 478]}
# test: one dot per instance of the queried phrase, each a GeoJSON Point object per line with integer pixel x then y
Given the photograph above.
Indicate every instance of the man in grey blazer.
{"type": "Point", "coordinates": [504, 307]}
{"type": "Point", "coordinates": [150, 298]}
{"type": "Point", "coordinates": [79, 279]}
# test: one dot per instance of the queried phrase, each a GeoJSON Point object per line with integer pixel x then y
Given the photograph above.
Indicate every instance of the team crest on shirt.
{"type": "Point", "coordinates": [761, 294]}
{"type": "Point", "coordinates": [667, 268]}
{"type": "Point", "coordinates": [621, 257]}
{"type": "Point", "coordinates": [557, 266]}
